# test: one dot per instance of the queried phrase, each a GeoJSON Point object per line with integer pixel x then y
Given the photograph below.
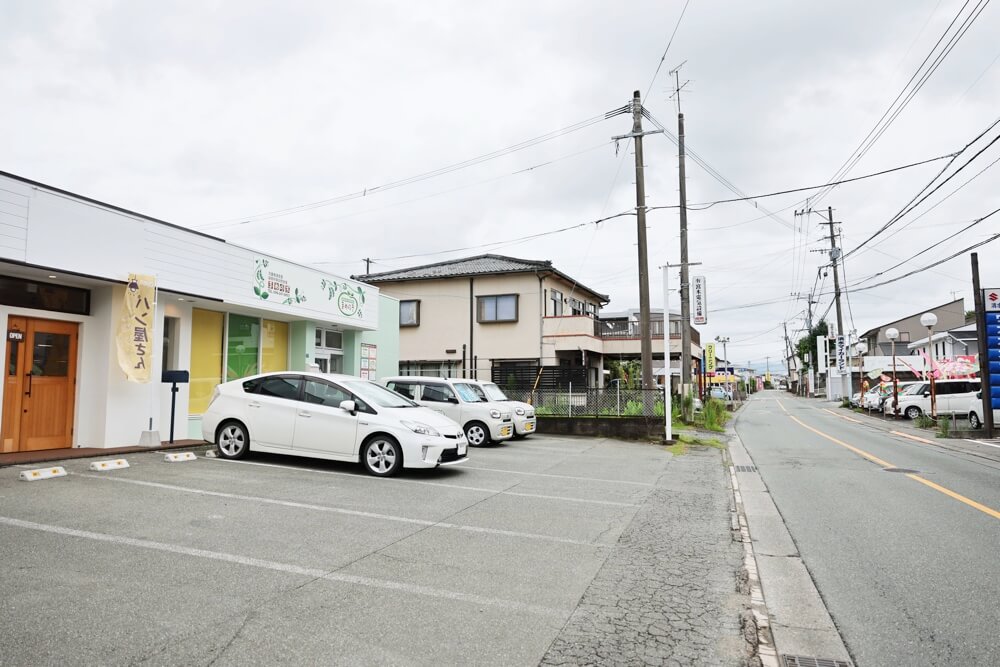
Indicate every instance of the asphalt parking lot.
{"type": "Point", "coordinates": [282, 559]}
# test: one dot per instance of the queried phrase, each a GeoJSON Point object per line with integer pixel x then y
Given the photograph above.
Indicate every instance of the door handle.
{"type": "Point", "coordinates": [253, 404]}
{"type": "Point", "coordinates": [28, 393]}
{"type": "Point", "coordinates": [305, 414]}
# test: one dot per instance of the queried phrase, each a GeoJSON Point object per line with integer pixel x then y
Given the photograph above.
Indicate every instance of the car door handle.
{"type": "Point", "coordinates": [305, 414]}
{"type": "Point", "coordinates": [253, 404]}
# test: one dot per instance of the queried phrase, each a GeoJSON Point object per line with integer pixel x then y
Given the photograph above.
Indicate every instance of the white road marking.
{"type": "Point", "coordinates": [542, 474]}
{"type": "Point", "coordinates": [441, 484]}
{"type": "Point", "coordinates": [347, 512]}
{"type": "Point", "coordinates": [980, 442]}
{"type": "Point", "coordinates": [314, 573]}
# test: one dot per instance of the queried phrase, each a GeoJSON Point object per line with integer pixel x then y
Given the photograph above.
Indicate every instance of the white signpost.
{"type": "Point", "coordinates": [700, 314]}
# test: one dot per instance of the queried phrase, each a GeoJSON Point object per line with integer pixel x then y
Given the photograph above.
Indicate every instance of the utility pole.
{"type": "Point", "coordinates": [834, 256]}
{"type": "Point", "coordinates": [685, 276]}
{"type": "Point", "coordinates": [368, 265]}
{"type": "Point", "coordinates": [637, 134]}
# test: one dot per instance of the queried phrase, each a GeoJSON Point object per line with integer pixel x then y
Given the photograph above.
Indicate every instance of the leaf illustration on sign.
{"type": "Point", "coordinates": [260, 280]}
{"type": "Point", "coordinates": [349, 299]}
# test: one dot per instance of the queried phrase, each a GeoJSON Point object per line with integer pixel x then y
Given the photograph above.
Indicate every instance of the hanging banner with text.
{"type": "Point", "coordinates": [710, 359]}
{"type": "Point", "coordinates": [135, 328]}
{"type": "Point", "coordinates": [700, 288]}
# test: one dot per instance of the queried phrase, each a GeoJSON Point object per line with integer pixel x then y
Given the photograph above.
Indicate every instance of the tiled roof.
{"type": "Point", "coordinates": [481, 265]}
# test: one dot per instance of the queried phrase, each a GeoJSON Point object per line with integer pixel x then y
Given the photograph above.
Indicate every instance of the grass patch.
{"type": "Point", "coordinates": [687, 440]}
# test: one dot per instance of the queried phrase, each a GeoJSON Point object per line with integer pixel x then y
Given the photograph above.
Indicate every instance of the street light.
{"type": "Point", "coordinates": [892, 334]}
{"type": "Point", "coordinates": [929, 320]}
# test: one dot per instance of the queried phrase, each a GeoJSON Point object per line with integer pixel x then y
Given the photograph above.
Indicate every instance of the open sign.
{"type": "Point", "coordinates": [15, 335]}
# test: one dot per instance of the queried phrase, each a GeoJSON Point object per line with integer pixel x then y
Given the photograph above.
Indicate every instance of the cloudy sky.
{"type": "Point", "coordinates": [209, 114]}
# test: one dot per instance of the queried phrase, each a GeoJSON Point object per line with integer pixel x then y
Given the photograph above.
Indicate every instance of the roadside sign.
{"type": "Point", "coordinates": [710, 358]}
{"type": "Point", "coordinates": [841, 355]}
{"type": "Point", "coordinates": [700, 288]}
{"type": "Point", "coordinates": [991, 297]}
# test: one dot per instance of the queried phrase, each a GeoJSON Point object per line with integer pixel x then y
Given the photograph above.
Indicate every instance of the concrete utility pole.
{"type": "Point", "coordinates": [648, 381]}
{"type": "Point", "coordinates": [834, 256]}
{"type": "Point", "coordinates": [685, 274]}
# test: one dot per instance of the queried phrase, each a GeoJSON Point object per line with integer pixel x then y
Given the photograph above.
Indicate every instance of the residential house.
{"type": "Point", "coordinates": [950, 316]}
{"type": "Point", "coordinates": [515, 321]}
{"type": "Point", "coordinates": [621, 332]}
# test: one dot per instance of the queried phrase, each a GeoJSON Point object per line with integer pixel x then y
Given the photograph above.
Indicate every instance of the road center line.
{"type": "Point", "coordinates": [885, 464]}
{"type": "Point", "coordinates": [425, 483]}
{"type": "Point", "coordinates": [314, 573]}
{"type": "Point", "coordinates": [781, 405]}
{"type": "Point", "coordinates": [343, 511]}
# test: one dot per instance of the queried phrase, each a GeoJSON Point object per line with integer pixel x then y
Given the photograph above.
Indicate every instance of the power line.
{"type": "Point", "coordinates": [666, 50]}
{"type": "Point", "coordinates": [423, 176]}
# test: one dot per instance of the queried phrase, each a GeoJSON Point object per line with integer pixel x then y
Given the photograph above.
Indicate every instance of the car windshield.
{"type": "Point", "coordinates": [494, 392]}
{"type": "Point", "coordinates": [912, 389]}
{"type": "Point", "coordinates": [378, 395]}
{"type": "Point", "coordinates": [470, 393]}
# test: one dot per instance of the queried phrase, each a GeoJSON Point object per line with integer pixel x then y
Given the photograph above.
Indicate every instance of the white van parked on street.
{"type": "Point", "coordinates": [458, 399]}
{"type": "Point", "coordinates": [974, 411]}
{"type": "Point", "coordinates": [952, 397]}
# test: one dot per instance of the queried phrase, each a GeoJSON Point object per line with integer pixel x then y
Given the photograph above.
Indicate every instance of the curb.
{"type": "Point", "coordinates": [749, 581]}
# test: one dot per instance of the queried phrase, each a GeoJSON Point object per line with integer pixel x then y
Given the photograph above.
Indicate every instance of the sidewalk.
{"type": "Point", "coordinates": [667, 595]}
{"type": "Point", "coordinates": [44, 455]}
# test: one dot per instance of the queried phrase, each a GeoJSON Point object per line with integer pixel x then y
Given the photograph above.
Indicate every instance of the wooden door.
{"type": "Point", "coordinates": [40, 385]}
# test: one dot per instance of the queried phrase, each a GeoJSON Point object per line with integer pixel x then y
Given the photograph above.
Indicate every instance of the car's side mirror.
{"type": "Point", "coordinates": [453, 399]}
{"type": "Point", "coordinates": [927, 393]}
{"type": "Point", "coordinates": [349, 406]}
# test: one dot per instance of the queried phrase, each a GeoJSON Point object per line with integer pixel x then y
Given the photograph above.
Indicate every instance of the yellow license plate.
{"type": "Point", "coordinates": [505, 430]}
{"type": "Point", "coordinates": [529, 427]}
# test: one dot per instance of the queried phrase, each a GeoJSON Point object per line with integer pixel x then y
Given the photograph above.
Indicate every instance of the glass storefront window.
{"type": "Point", "coordinates": [242, 346]}
{"type": "Point", "coordinates": [206, 357]}
{"type": "Point", "coordinates": [274, 346]}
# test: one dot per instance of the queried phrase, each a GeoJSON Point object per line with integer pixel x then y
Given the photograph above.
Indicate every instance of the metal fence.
{"type": "Point", "coordinates": [610, 402]}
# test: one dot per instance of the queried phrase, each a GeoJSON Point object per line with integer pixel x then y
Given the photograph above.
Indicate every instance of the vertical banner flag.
{"type": "Point", "coordinates": [841, 355]}
{"type": "Point", "coordinates": [135, 329]}
{"type": "Point", "coordinates": [710, 359]}
{"type": "Point", "coordinates": [823, 354]}
{"type": "Point", "coordinates": [700, 314]}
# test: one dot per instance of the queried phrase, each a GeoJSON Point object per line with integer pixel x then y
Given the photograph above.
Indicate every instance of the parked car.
{"type": "Point", "coordinates": [902, 388]}
{"type": "Point", "coordinates": [856, 399]}
{"type": "Point", "coordinates": [456, 398]}
{"type": "Point", "coordinates": [975, 413]}
{"type": "Point", "coordinates": [335, 417]}
{"type": "Point", "coordinates": [720, 393]}
{"type": "Point", "coordinates": [952, 397]}
{"type": "Point", "coordinates": [525, 422]}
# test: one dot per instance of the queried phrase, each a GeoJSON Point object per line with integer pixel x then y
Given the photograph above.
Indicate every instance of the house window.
{"type": "Point", "coordinates": [576, 306]}
{"type": "Point", "coordinates": [497, 308]}
{"type": "Point", "coordinates": [904, 336]}
{"type": "Point", "coordinates": [409, 313]}
{"type": "Point", "coordinates": [592, 310]}
{"type": "Point", "coordinates": [555, 303]}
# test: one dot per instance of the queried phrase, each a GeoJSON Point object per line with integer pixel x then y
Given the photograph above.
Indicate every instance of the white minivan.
{"type": "Point", "coordinates": [952, 398]}
{"type": "Point", "coordinates": [525, 422]}
{"type": "Point", "coordinates": [458, 399]}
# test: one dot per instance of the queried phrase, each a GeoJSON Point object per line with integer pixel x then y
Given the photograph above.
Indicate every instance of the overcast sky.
{"type": "Point", "coordinates": [207, 113]}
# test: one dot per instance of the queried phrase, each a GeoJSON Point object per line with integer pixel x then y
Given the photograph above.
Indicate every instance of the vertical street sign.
{"type": "Point", "coordinates": [841, 355]}
{"type": "Point", "coordinates": [710, 359]}
{"type": "Point", "coordinates": [822, 355]}
{"type": "Point", "coordinates": [700, 312]}
{"type": "Point", "coordinates": [991, 384]}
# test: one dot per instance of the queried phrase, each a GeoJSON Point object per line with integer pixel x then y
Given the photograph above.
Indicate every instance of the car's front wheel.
{"type": "Point", "coordinates": [974, 421]}
{"type": "Point", "coordinates": [477, 434]}
{"type": "Point", "coordinates": [382, 456]}
{"type": "Point", "coordinates": [232, 440]}
{"type": "Point", "coordinates": [912, 412]}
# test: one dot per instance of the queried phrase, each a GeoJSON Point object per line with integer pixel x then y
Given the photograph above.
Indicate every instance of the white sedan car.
{"type": "Point", "coordinates": [334, 417]}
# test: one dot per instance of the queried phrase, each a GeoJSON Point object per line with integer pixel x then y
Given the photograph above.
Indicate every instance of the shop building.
{"type": "Point", "coordinates": [220, 312]}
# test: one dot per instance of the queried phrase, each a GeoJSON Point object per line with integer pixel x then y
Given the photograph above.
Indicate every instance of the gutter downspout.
{"type": "Point", "coordinates": [541, 321]}
{"type": "Point", "coordinates": [472, 320]}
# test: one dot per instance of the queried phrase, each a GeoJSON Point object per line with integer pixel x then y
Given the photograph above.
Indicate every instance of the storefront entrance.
{"type": "Point", "coordinates": [39, 385]}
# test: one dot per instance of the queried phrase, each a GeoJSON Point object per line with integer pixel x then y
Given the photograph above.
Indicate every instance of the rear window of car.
{"type": "Point", "coordinates": [281, 387]}
{"type": "Point", "coordinates": [404, 388]}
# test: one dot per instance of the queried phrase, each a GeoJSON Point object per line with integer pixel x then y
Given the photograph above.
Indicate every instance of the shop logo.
{"type": "Point", "coordinates": [350, 299]}
{"type": "Point", "coordinates": [348, 304]}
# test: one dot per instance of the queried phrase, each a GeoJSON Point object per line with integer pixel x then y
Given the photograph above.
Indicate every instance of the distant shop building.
{"type": "Point", "coordinates": [220, 311]}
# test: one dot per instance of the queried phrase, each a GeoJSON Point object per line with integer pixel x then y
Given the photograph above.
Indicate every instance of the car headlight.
{"type": "Point", "coordinates": [495, 414]}
{"type": "Point", "coordinates": [519, 411]}
{"type": "Point", "coordinates": [422, 429]}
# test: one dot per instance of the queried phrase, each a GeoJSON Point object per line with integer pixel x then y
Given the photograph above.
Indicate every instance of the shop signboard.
{"type": "Point", "coordinates": [841, 355]}
{"type": "Point", "coordinates": [369, 361]}
{"type": "Point", "coordinates": [700, 288]}
{"type": "Point", "coordinates": [991, 297]}
{"type": "Point", "coordinates": [134, 339]}
{"type": "Point", "coordinates": [710, 359]}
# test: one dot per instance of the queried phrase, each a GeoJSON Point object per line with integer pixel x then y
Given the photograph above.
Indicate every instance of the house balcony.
{"type": "Point", "coordinates": [571, 333]}
{"type": "Point", "coordinates": [624, 338]}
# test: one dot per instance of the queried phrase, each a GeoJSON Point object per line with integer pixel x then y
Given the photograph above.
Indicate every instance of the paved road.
{"type": "Point", "coordinates": [296, 561]}
{"type": "Point", "coordinates": [907, 563]}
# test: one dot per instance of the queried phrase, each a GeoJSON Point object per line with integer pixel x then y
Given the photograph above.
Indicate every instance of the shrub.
{"type": "Point", "coordinates": [944, 426]}
{"type": "Point", "coordinates": [716, 414]}
{"type": "Point", "coordinates": [923, 421]}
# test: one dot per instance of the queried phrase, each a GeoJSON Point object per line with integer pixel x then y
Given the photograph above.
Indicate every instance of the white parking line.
{"type": "Point", "coordinates": [542, 474]}
{"type": "Point", "coordinates": [426, 591]}
{"type": "Point", "coordinates": [441, 484]}
{"type": "Point", "coordinates": [980, 442]}
{"type": "Point", "coordinates": [347, 512]}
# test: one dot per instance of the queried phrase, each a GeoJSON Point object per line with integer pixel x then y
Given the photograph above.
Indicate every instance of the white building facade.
{"type": "Point", "coordinates": [220, 312]}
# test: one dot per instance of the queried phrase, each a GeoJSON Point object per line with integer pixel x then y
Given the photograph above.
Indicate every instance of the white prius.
{"type": "Point", "coordinates": [335, 417]}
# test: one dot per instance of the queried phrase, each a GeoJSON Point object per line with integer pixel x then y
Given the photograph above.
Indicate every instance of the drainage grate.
{"type": "Point", "coordinates": [805, 661]}
{"type": "Point", "coordinates": [907, 471]}
{"type": "Point", "coordinates": [746, 469]}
